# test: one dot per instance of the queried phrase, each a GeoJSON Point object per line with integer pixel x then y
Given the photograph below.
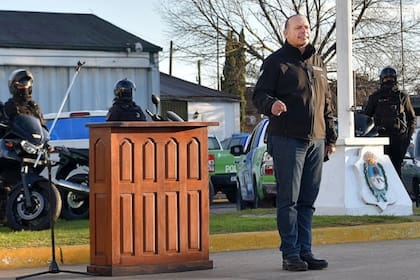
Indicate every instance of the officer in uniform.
{"type": "Point", "coordinates": [20, 87]}
{"type": "Point", "coordinates": [394, 116]}
{"type": "Point", "coordinates": [124, 108]}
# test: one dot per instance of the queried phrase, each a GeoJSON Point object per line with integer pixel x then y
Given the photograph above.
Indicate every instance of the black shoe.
{"type": "Point", "coordinates": [294, 263]}
{"type": "Point", "coordinates": [314, 263]}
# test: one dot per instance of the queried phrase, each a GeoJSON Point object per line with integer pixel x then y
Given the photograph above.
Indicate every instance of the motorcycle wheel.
{"type": "Point", "coordinates": [75, 204]}
{"type": "Point", "coordinates": [37, 217]}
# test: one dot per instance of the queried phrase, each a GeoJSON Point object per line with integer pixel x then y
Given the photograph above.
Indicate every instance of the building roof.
{"type": "Point", "coordinates": [177, 89]}
{"type": "Point", "coordinates": [66, 31]}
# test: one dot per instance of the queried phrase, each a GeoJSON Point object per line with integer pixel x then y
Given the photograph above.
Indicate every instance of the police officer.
{"type": "Point", "coordinates": [394, 116]}
{"type": "Point", "coordinates": [20, 87]}
{"type": "Point", "coordinates": [124, 108]}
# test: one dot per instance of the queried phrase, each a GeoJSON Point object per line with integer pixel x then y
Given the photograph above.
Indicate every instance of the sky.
{"type": "Point", "coordinates": [139, 17]}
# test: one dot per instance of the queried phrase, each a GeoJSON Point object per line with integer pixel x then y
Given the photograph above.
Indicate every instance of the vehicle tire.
{"type": "Point", "coordinates": [231, 196]}
{"type": "Point", "coordinates": [37, 217]}
{"type": "Point", "coordinates": [4, 194]}
{"type": "Point", "coordinates": [240, 203]}
{"type": "Point", "coordinates": [75, 204]}
{"type": "Point", "coordinates": [211, 192]}
{"type": "Point", "coordinates": [416, 192]}
{"type": "Point", "coordinates": [257, 203]}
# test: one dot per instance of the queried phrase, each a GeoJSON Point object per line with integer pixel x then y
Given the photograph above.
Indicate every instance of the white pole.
{"type": "Point", "coordinates": [344, 70]}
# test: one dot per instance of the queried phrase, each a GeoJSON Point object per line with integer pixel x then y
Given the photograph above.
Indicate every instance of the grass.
{"type": "Point", "coordinates": [77, 232]}
{"type": "Point", "coordinates": [66, 233]}
{"type": "Point", "coordinates": [265, 220]}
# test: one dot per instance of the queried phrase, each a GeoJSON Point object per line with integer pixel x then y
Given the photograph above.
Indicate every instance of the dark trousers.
{"type": "Point", "coordinates": [396, 150]}
{"type": "Point", "coordinates": [298, 169]}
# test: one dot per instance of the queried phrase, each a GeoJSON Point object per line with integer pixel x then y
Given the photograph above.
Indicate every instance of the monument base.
{"type": "Point", "coordinates": [348, 185]}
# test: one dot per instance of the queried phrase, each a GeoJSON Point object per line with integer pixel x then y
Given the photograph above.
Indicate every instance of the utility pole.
{"type": "Point", "coordinates": [199, 71]}
{"type": "Point", "coordinates": [217, 55]}
{"type": "Point", "coordinates": [402, 46]}
{"type": "Point", "coordinates": [171, 49]}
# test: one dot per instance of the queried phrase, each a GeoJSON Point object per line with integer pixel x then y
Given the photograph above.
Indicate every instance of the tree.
{"type": "Point", "coordinates": [228, 80]}
{"type": "Point", "coordinates": [196, 24]}
{"type": "Point", "coordinates": [233, 80]}
{"type": "Point", "coordinates": [241, 63]}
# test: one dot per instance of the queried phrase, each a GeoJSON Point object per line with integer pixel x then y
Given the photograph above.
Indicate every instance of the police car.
{"type": "Point", "coordinates": [70, 129]}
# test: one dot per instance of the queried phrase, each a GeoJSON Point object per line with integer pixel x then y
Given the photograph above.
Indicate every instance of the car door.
{"type": "Point", "coordinates": [247, 181]}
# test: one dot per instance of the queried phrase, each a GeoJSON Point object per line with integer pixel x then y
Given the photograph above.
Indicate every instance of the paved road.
{"type": "Point", "coordinates": [386, 260]}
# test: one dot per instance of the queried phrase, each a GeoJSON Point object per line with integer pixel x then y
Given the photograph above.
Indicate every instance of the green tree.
{"type": "Point", "coordinates": [228, 80]}
{"type": "Point", "coordinates": [241, 76]}
{"type": "Point", "coordinates": [234, 70]}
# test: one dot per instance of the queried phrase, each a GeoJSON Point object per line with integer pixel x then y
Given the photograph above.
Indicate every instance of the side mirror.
{"type": "Point", "coordinates": [155, 99]}
{"type": "Point", "coordinates": [237, 150]}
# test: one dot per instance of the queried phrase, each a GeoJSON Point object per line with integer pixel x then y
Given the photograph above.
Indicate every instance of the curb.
{"type": "Point", "coordinates": [79, 254]}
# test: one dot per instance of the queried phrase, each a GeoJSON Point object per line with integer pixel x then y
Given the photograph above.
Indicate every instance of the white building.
{"type": "Point", "coordinates": [51, 44]}
{"type": "Point", "coordinates": [195, 102]}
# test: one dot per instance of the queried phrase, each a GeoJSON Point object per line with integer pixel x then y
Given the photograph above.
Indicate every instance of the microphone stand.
{"type": "Point", "coordinates": [53, 267]}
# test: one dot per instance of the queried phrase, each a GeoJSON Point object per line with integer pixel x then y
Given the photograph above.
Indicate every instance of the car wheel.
{"type": "Point", "coordinates": [211, 193]}
{"type": "Point", "coordinates": [416, 191]}
{"type": "Point", "coordinates": [257, 202]}
{"type": "Point", "coordinates": [240, 203]}
{"type": "Point", "coordinates": [231, 196]}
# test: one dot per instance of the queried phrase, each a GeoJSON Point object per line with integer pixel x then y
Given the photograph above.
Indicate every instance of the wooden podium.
{"type": "Point", "coordinates": [149, 201]}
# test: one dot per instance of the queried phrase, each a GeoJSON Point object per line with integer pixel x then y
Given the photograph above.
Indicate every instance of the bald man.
{"type": "Point", "coordinates": [292, 90]}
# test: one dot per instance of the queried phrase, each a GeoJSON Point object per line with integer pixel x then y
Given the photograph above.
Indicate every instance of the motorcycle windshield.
{"type": "Point", "coordinates": [29, 128]}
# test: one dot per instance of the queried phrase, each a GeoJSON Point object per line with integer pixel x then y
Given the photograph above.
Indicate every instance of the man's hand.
{"type": "Point", "coordinates": [330, 149]}
{"type": "Point", "coordinates": [278, 107]}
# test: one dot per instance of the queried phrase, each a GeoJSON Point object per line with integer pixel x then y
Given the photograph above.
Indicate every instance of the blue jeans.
{"type": "Point", "coordinates": [298, 169]}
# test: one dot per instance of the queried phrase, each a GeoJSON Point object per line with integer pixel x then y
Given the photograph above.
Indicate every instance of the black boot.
{"type": "Point", "coordinates": [314, 263]}
{"type": "Point", "coordinates": [294, 263]}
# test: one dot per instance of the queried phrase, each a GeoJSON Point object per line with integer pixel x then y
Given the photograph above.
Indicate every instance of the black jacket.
{"type": "Point", "coordinates": [392, 95]}
{"type": "Point", "coordinates": [123, 110]}
{"type": "Point", "coordinates": [300, 81]}
{"type": "Point", "coordinates": [14, 107]}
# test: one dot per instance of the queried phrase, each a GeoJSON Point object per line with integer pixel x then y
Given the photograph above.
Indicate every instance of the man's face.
{"type": "Point", "coordinates": [298, 31]}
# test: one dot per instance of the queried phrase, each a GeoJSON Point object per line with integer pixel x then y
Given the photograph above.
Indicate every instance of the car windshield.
{"type": "Point", "coordinates": [234, 141]}
{"type": "Point", "coordinates": [72, 128]}
{"type": "Point", "coordinates": [213, 144]}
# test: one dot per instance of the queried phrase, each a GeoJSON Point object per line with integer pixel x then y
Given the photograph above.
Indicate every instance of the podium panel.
{"type": "Point", "coordinates": [149, 201]}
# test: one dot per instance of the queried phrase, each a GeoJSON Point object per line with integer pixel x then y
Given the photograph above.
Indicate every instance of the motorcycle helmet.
{"type": "Point", "coordinates": [20, 83]}
{"type": "Point", "coordinates": [124, 89]}
{"type": "Point", "coordinates": [388, 76]}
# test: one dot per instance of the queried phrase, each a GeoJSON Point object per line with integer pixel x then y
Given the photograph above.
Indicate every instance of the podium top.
{"type": "Point", "coordinates": [152, 124]}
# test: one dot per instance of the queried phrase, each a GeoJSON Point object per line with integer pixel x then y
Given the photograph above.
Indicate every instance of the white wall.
{"type": "Point", "coordinates": [225, 113]}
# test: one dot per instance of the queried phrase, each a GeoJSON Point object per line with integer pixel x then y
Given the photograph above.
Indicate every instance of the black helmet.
{"type": "Point", "coordinates": [20, 82]}
{"type": "Point", "coordinates": [124, 89]}
{"type": "Point", "coordinates": [388, 76]}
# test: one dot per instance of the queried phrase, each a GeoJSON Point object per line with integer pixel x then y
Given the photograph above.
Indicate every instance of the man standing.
{"type": "Point", "coordinates": [394, 116]}
{"type": "Point", "coordinates": [293, 91]}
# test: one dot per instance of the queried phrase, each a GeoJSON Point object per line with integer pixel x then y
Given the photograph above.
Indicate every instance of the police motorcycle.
{"type": "Point", "coordinates": [170, 115]}
{"type": "Point", "coordinates": [364, 125]}
{"type": "Point", "coordinates": [72, 180]}
{"type": "Point", "coordinates": [26, 198]}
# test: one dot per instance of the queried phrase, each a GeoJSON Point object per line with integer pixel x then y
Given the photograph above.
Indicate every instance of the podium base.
{"type": "Point", "coordinates": [126, 270]}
